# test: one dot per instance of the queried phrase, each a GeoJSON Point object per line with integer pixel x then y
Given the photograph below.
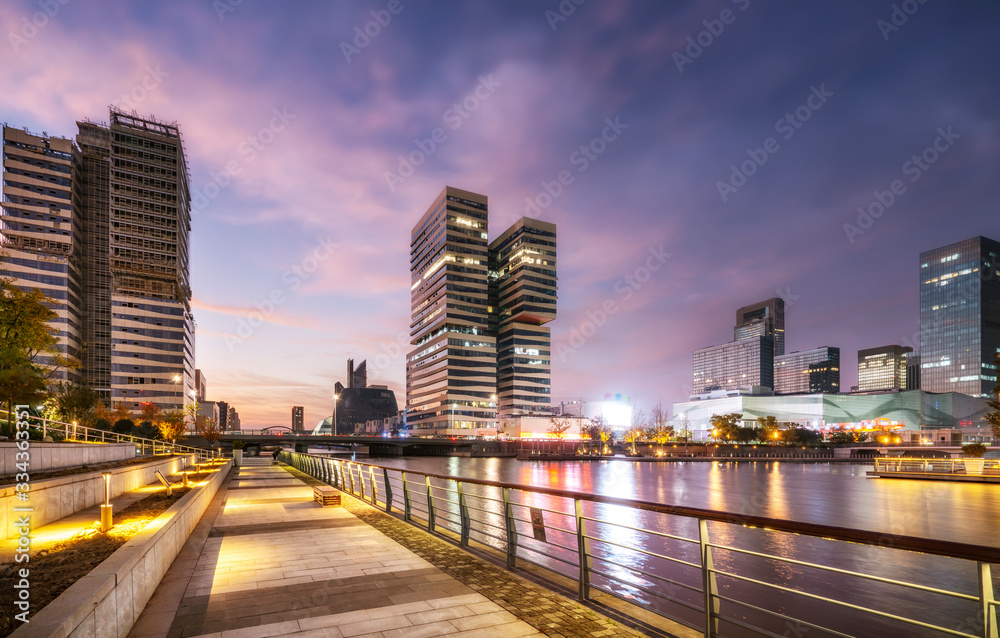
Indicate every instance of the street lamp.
{"type": "Point", "coordinates": [333, 429]}
{"type": "Point", "coordinates": [106, 516]}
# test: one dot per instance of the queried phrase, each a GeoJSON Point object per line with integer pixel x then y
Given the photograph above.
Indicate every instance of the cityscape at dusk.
{"type": "Point", "coordinates": [737, 152]}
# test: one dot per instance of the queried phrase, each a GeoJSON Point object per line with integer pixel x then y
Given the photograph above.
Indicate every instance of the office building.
{"type": "Point", "coordinates": [478, 315]}
{"type": "Point", "coordinates": [102, 227]}
{"type": "Point", "coordinates": [808, 371]}
{"type": "Point", "coordinates": [298, 418]}
{"type": "Point", "coordinates": [200, 385]}
{"type": "Point", "coordinates": [882, 369]}
{"type": "Point", "coordinates": [357, 403]}
{"type": "Point", "coordinates": [913, 410]}
{"type": "Point", "coordinates": [451, 372]}
{"type": "Point", "coordinates": [523, 299]}
{"type": "Point", "coordinates": [737, 364]}
{"type": "Point", "coordinates": [41, 234]}
{"type": "Point", "coordinates": [912, 370]}
{"type": "Point", "coordinates": [762, 319]}
{"type": "Point", "coordinates": [960, 317]}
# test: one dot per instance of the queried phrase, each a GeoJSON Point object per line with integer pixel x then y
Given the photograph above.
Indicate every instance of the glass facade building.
{"type": "Point", "coordinates": [914, 410]}
{"type": "Point", "coordinates": [883, 368]}
{"type": "Point", "coordinates": [960, 317]}
{"type": "Point", "coordinates": [737, 364]}
{"type": "Point", "coordinates": [523, 299]}
{"type": "Point", "coordinates": [808, 371]}
{"type": "Point", "coordinates": [762, 319]}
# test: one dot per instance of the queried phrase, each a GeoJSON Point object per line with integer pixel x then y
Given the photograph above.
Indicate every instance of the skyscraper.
{"type": "Point", "coordinates": [882, 368]}
{"type": "Point", "coordinates": [451, 374]}
{"type": "Point", "coordinates": [40, 230]}
{"type": "Point", "coordinates": [523, 299]}
{"type": "Point", "coordinates": [478, 315]}
{"type": "Point", "coordinates": [762, 319]}
{"type": "Point", "coordinates": [298, 418]}
{"type": "Point", "coordinates": [808, 371]}
{"type": "Point", "coordinates": [734, 365]}
{"type": "Point", "coordinates": [960, 317]}
{"type": "Point", "coordinates": [108, 240]}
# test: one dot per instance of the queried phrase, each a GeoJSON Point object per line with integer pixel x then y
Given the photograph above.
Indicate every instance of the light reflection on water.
{"type": "Point", "coordinates": [838, 495]}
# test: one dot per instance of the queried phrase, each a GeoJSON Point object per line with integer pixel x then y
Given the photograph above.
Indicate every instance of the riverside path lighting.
{"type": "Point", "coordinates": [106, 516]}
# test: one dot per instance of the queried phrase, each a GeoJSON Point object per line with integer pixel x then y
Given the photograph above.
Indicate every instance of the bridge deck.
{"type": "Point", "coordinates": [267, 561]}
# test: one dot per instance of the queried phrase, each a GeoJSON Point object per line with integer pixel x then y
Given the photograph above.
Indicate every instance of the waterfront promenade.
{"type": "Point", "coordinates": [266, 560]}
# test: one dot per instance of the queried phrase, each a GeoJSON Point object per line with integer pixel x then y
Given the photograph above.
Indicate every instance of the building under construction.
{"type": "Point", "coordinates": [102, 226]}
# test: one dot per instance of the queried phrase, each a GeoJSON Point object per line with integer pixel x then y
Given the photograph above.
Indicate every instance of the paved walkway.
{"type": "Point", "coordinates": [266, 560]}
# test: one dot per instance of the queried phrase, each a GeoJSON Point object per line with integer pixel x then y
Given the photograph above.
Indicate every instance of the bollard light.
{"type": "Point", "coordinates": [106, 516]}
{"type": "Point", "coordinates": [185, 479]}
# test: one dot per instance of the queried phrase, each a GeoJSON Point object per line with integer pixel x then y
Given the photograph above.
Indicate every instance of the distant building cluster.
{"type": "Point", "coordinates": [358, 407]}
{"type": "Point", "coordinates": [944, 384]}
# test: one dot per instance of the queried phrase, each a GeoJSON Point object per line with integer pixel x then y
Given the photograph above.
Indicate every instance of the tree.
{"type": "Point", "coordinates": [559, 427]}
{"type": "Point", "coordinates": [746, 434]}
{"type": "Point", "coordinates": [725, 427]}
{"type": "Point", "coordinates": [600, 430]}
{"type": "Point", "coordinates": [25, 334]}
{"type": "Point", "coordinates": [660, 429]}
{"type": "Point", "coordinates": [684, 431]}
{"type": "Point", "coordinates": [149, 413]}
{"type": "Point", "coordinates": [171, 425]}
{"type": "Point", "coordinates": [769, 429]}
{"type": "Point", "coordinates": [123, 426]}
{"type": "Point", "coordinates": [632, 435]}
{"type": "Point", "coordinates": [120, 411]}
{"type": "Point", "coordinates": [209, 430]}
{"type": "Point", "coordinates": [74, 402]}
{"type": "Point", "coordinates": [192, 416]}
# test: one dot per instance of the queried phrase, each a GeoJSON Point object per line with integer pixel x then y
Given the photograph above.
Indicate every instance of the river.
{"type": "Point", "coordinates": [833, 494]}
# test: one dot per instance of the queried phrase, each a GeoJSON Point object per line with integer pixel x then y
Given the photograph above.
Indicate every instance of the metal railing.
{"type": "Point", "coordinates": [664, 558]}
{"type": "Point", "coordinates": [143, 446]}
{"type": "Point", "coordinates": [990, 467]}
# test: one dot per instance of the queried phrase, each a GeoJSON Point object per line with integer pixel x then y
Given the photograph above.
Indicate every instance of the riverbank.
{"type": "Point", "coordinates": [695, 459]}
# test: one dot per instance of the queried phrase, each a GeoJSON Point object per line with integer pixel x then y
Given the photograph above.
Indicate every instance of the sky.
{"type": "Point", "coordinates": [695, 156]}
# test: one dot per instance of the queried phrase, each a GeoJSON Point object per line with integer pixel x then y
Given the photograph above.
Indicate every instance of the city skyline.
{"type": "Point", "coordinates": [310, 160]}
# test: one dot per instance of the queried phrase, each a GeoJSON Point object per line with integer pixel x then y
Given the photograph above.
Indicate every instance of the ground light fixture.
{"type": "Point", "coordinates": [106, 516]}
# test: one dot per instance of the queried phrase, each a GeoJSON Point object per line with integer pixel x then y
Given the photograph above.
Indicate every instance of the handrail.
{"type": "Point", "coordinates": [911, 543]}
{"type": "Point", "coordinates": [431, 507]}
{"type": "Point", "coordinates": [117, 437]}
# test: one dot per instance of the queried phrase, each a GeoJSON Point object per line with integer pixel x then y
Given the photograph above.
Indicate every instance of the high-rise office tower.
{"type": "Point", "coordinates": [762, 319]}
{"type": "Point", "coordinates": [960, 317]}
{"type": "Point", "coordinates": [40, 231]}
{"type": "Point", "coordinates": [808, 371]}
{"type": "Point", "coordinates": [298, 418]}
{"type": "Point", "coordinates": [108, 240]}
{"type": "Point", "coordinates": [523, 299]}
{"type": "Point", "coordinates": [912, 370]}
{"type": "Point", "coordinates": [734, 365]}
{"type": "Point", "coordinates": [882, 368]}
{"type": "Point", "coordinates": [451, 372]}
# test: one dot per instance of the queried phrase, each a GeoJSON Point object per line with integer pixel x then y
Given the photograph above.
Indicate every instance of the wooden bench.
{"type": "Point", "coordinates": [326, 495]}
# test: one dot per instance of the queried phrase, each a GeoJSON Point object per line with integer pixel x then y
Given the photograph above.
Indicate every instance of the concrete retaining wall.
{"type": "Point", "coordinates": [53, 456]}
{"type": "Point", "coordinates": [108, 600]}
{"type": "Point", "coordinates": [54, 498]}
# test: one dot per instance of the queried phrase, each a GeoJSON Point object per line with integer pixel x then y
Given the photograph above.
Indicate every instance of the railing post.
{"type": "Point", "coordinates": [430, 505]}
{"type": "Point", "coordinates": [337, 474]}
{"type": "Point", "coordinates": [708, 580]}
{"type": "Point", "coordinates": [371, 475]}
{"type": "Point", "coordinates": [406, 498]}
{"type": "Point", "coordinates": [45, 427]}
{"type": "Point", "coordinates": [583, 549]}
{"type": "Point", "coordinates": [350, 475]}
{"type": "Point", "coordinates": [986, 597]}
{"type": "Point", "coordinates": [463, 514]}
{"type": "Point", "coordinates": [361, 482]}
{"type": "Point", "coordinates": [388, 491]}
{"type": "Point", "coordinates": [508, 515]}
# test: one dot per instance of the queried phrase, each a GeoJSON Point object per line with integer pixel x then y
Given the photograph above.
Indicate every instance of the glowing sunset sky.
{"type": "Point", "coordinates": [295, 127]}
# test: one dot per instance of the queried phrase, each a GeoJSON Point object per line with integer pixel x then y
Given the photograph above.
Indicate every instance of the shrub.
{"type": "Point", "coordinates": [973, 450]}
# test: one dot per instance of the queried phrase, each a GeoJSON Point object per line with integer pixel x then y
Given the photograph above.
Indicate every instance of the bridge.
{"type": "Point", "coordinates": [377, 445]}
